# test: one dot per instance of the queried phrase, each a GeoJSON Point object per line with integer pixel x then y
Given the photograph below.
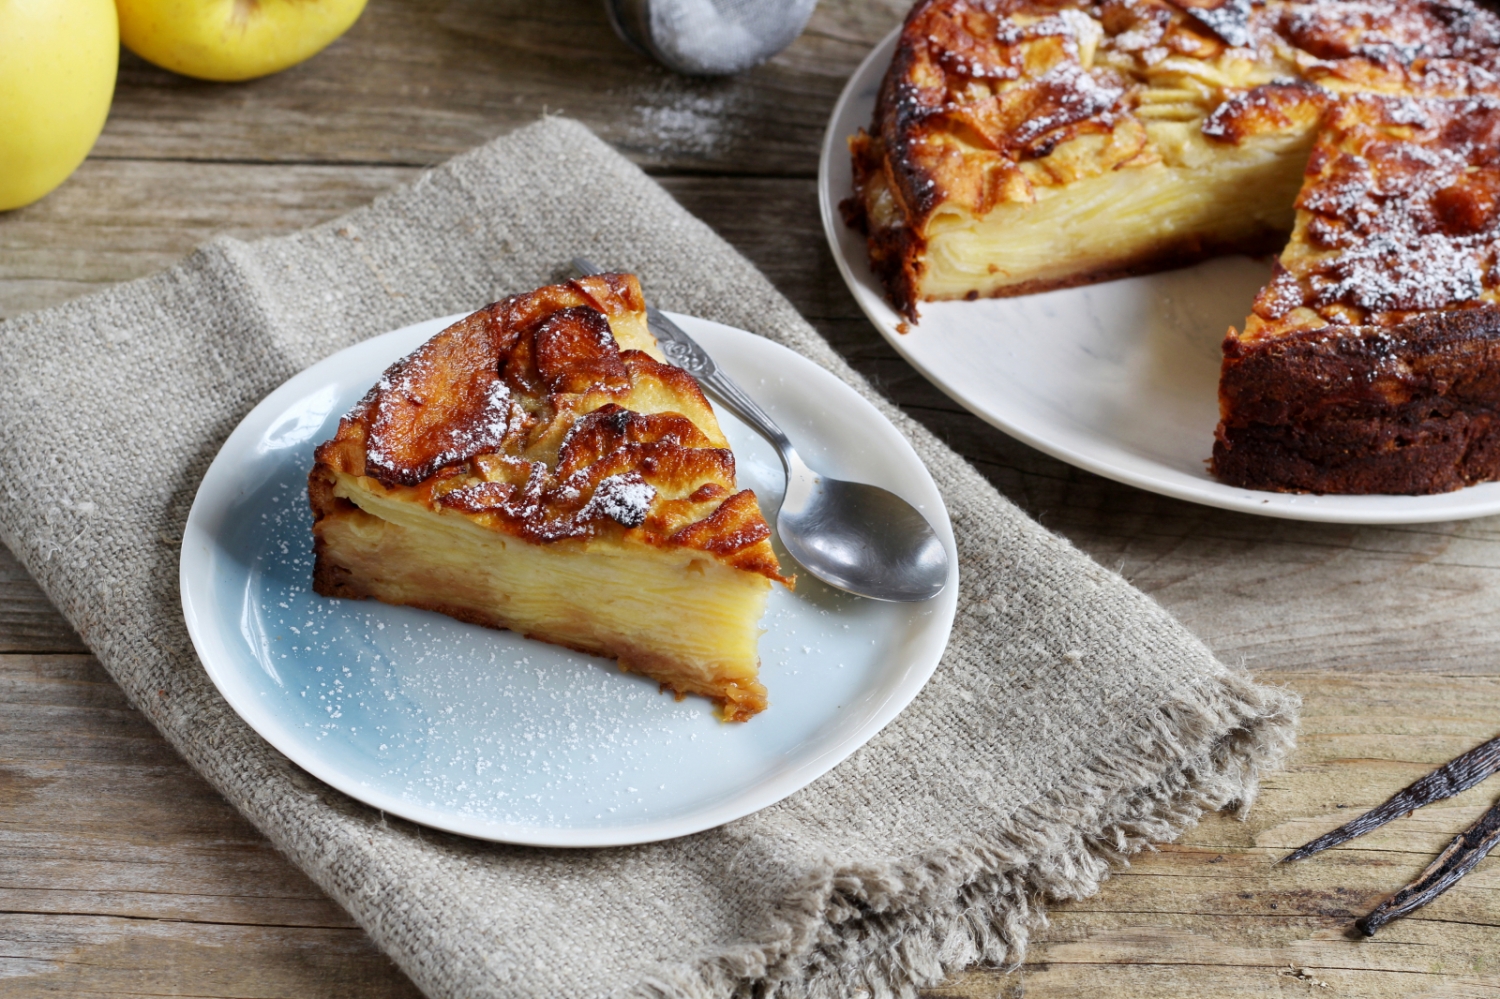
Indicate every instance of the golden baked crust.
{"type": "Point", "coordinates": [990, 103]}
{"type": "Point", "coordinates": [549, 418]}
{"type": "Point", "coordinates": [528, 418]}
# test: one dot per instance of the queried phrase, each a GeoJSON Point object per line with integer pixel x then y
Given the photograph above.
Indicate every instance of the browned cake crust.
{"type": "Point", "coordinates": [512, 416]}
{"type": "Point", "coordinates": [1369, 363]}
{"type": "Point", "coordinates": [1410, 409]}
{"type": "Point", "coordinates": [987, 102]}
{"type": "Point", "coordinates": [930, 141]}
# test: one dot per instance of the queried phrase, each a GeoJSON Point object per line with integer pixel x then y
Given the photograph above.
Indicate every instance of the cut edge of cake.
{"type": "Point", "coordinates": [1409, 409]}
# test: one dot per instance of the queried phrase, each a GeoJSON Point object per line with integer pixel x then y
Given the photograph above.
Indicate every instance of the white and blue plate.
{"type": "Point", "coordinates": [491, 735]}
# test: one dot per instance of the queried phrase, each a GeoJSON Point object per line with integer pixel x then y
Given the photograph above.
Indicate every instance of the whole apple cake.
{"type": "Point", "coordinates": [539, 466]}
{"type": "Point", "coordinates": [1024, 145]}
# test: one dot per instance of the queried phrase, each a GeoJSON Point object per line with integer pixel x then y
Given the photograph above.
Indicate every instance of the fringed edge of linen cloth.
{"type": "Point", "coordinates": [885, 932]}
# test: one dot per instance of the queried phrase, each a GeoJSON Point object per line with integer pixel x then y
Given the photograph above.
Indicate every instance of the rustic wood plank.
{"type": "Point", "coordinates": [122, 871]}
{"type": "Point", "coordinates": [415, 83]}
{"type": "Point", "coordinates": [117, 220]}
{"type": "Point", "coordinates": [97, 956]}
{"type": "Point", "coordinates": [117, 861]}
{"type": "Point", "coordinates": [28, 621]}
{"type": "Point", "coordinates": [145, 837]}
{"type": "Point", "coordinates": [1212, 916]}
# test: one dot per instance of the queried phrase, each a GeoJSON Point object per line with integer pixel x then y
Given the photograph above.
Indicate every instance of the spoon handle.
{"type": "Point", "coordinates": [683, 351]}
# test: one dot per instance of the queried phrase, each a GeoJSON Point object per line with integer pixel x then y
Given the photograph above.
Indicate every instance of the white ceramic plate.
{"type": "Point", "coordinates": [491, 735]}
{"type": "Point", "coordinates": [1119, 378]}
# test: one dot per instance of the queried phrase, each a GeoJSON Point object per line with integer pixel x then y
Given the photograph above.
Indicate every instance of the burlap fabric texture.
{"type": "Point", "coordinates": [1071, 721]}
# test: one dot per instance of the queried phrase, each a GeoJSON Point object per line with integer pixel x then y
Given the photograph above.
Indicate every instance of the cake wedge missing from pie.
{"type": "Point", "coordinates": [539, 466]}
{"type": "Point", "coordinates": [1025, 145]}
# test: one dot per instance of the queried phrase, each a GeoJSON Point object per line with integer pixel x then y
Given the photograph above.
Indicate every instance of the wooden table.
{"type": "Point", "coordinates": [122, 872]}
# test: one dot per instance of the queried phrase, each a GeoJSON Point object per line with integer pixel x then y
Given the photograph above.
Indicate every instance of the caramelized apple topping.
{"type": "Point", "coordinates": [996, 102]}
{"type": "Point", "coordinates": [546, 416]}
{"type": "Point", "coordinates": [1398, 215]}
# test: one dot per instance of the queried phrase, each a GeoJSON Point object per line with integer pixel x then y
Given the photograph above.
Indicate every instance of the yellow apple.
{"type": "Point", "coordinates": [57, 76]}
{"type": "Point", "coordinates": [232, 39]}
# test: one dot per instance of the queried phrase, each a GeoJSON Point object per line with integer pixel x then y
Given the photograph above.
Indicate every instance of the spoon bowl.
{"type": "Point", "coordinates": [860, 538]}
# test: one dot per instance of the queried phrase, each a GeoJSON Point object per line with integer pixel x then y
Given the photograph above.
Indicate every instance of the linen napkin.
{"type": "Point", "coordinates": [1070, 722]}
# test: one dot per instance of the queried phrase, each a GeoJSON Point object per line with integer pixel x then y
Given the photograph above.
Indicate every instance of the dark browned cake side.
{"type": "Point", "coordinates": [1409, 409]}
{"type": "Point", "coordinates": [1368, 362]}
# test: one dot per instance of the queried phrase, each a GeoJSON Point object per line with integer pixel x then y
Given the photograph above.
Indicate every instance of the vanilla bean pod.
{"type": "Point", "coordinates": [1467, 849]}
{"type": "Point", "coordinates": [1457, 775]}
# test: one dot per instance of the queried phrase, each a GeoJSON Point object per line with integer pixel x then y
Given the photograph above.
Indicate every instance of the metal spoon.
{"type": "Point", "coordinates": [856, 537]}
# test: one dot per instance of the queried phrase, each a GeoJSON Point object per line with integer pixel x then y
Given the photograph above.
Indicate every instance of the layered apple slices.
{"type": "Point", "coordinates": [1023, 145]}
{"type": "Point", "coordinates": [539, 466]}
{"type": "Point", "coordinates": [1035, 144]}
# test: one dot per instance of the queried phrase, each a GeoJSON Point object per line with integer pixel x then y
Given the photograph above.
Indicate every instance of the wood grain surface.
{"type": "Point", "coordinates": [123, 873]}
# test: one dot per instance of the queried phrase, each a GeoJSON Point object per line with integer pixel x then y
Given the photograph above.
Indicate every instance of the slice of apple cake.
{"type": "Point", "coordinates": [539, 466]}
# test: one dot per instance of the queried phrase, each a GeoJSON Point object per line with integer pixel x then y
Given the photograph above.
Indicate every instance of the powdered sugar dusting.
{"type": "Point", "coordinates": [1230, 20]}
{"type": "Point", "coordinates": [1379, 204]}
{"type": "Point", "coordinates": [1075, 96]}
{"type": "Point", "coordinates": [1398, 31]}
{"type": "Point", "coordinates": [1403, 271]}
{"type": "Point", "coordinates": [461, 437]}
{"type": "Point", "coordinates": [624, 498]}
